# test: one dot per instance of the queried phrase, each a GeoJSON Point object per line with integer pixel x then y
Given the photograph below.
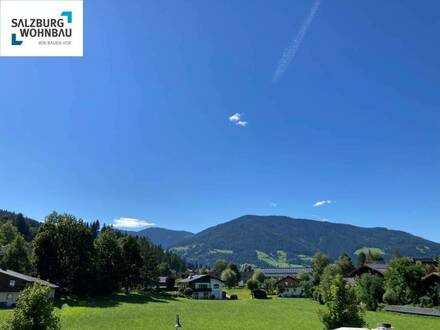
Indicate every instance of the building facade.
{"type": "Point", "coordinates": [204, 286]}
{"type": "Point", "coordinates": [12, 283]}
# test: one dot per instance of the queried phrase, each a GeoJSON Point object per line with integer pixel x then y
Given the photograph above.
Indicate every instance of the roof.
{"type": "Point", "coordinates": [373, 268]}
{"type": "Point", "coordinates": [286, 277]}
{"type": "Point", "coordinates": [425, 261]}
{"type": "Point", "coordinates": [193, 278]}
{"type": "Point", "coordinates": [431, 275]}
{"type": "Point", "coordinates": [285, 271]}
{"type": "Point", "coordinates": [27, 278]}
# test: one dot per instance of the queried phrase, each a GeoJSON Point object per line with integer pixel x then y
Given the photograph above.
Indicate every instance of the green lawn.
{"type": "Point", "coordinates": [156, 313]}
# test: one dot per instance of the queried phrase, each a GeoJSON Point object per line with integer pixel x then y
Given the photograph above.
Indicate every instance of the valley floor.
{"type": "Point", "coordinates": [159, 313]}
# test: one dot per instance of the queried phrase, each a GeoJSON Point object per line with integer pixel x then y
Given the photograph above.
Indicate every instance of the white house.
{"type": "Point", "coordinates": [204, 286]}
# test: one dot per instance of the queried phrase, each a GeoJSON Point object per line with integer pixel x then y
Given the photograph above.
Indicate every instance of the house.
{"type": "Point", "coordinates": [280, 273]}
{"type": "Point", "coordinates": [375, 269]}
{"type": "Point", "coordinates": [12, 283]}
{"type": "Point", "coordinates": [204, 286]}
{"type": "Point", "coordinates": [289, 287]}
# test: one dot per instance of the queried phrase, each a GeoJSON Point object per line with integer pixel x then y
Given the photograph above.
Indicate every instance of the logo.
{"type": "Point", "coordinates": [41, 28]}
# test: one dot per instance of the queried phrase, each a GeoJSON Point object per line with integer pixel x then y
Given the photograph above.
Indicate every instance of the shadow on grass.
{"type": "Point", "coordinates": [114, 300]}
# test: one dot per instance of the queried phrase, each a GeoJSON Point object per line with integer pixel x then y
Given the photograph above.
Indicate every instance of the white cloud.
{"type": "Point", "coordinates": [235, 118]}
{"type": "Point", "coordinates": [324, 202]}
{"type": "Point", "coordinates": [131, 223]}
{"type": "Point", "coordinates": [273, 204]}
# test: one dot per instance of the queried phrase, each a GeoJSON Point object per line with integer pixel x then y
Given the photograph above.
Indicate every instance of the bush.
{"type": "Point", "coordinates": [342, 307]}
{"type": "Point", "coordinates": [426, 302]}
{"type": "Point", "coordinates": [369, 290]}
{"type": "Point", "coordinates": [188, 292]}
{"type": "Point", "coordinates": [233, 297]}
{"type": "Point", "coordinates": [212, 297]}
{"type": "Point", "coordinates": [390, 297]}
{"type": "Point", "coordinates": [252, 285]}
{"type": "Point", "coordinates": [34, 311]}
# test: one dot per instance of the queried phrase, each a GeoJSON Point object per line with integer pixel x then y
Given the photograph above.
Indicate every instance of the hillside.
{"type": "Point", "coordinates": [164, 237]}
{"type": "Point", "coordinates": [276, 241]}
{"type": "Point", "coordinates": [26, 226]}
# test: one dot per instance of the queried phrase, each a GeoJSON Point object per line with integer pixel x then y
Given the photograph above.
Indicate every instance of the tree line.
{"type": "Point", "coordinates": [85, 259]}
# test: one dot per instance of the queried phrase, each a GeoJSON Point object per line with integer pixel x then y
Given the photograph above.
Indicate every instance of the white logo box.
{"type": "Point", "coordinates": [42, 28]}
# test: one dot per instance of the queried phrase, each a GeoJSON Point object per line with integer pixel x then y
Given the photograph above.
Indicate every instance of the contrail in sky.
{"type": "Point", "coordinates": [290, 52]}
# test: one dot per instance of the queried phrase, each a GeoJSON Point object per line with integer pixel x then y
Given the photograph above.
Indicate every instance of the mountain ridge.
{"type": "Point", "coordinates": [282, 241]}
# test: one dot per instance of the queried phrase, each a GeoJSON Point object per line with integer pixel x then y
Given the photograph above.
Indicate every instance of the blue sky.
{"type": "Point", "coordinates": [140, 126]}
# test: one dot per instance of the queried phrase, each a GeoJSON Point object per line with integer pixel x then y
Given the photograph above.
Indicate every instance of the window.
{"type": "Point", "coordinates": [216, 286]}
{"type": "Point", "coordinates": [9, 297]}
{"type": "Point", "coordinates": [203, 286]}
{"type": "Point", "coordinates": [12, 283]}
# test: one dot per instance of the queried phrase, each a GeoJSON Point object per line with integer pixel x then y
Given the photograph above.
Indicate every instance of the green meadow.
{"type": "Point", "coordinates": [138, 311]}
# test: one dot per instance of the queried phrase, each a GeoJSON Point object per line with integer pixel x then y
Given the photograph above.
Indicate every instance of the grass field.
{"type": "Point", "coordinates": [156, 313]}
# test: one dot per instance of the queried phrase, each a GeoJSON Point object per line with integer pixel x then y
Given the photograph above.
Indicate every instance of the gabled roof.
{"type": "Point", "coordinates": [27, 278]}
{"type": "Point", "coordinates": [193, 278]}
{"type": "Point", "coordinates": [434, 276]}
{"type": "Point", "coordinates": [372, 268]}
{"type": "Point", "coordinates": [286, 277]}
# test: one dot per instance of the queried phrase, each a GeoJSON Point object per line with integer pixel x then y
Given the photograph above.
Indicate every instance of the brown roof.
{"type": "Point", "coordinates": [379, 269]}
{"type": "Point", "coordinates": [27, 278]}
{"type": "Point", "coordinates": [286, 277]}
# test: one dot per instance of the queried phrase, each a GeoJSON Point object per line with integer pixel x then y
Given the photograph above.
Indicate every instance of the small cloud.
{"type": "Point", "coordinates": [273, 204]}
{"type": "Point", "coordinates": [324, 202]}
{"type": "Point", "coordinates": [235, 118]}
{"type": "Point", "coordinates": [131, 223]}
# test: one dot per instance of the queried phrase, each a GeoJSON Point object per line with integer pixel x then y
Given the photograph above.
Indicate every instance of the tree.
{"type": "Point", "coordinates": [252, 285]}
{"type": "Point", "coordinates": [7, 233]}
{"type": "Point", "coordinates": [403, 282]}
{"type": "Point", "coordinates": [369, 290]}
{"type": "Point", "coordinates": [361, 259]}
{"type": "Point", "coordinates": [63, 252]}
{"type": "Point", "coordinates": [204, 270]}
{"type": "Point", "coordinates": [323, 291]}
{"type": "Point", "coordinates": [16, 256]}
{"type": "Point", "coordinates": [164, 269]}
{"type": "Point", "coordinates": [259, 276]}
{"type": "Point", "coordinates": [220, 265]}
{"type": "Point", "coordinates": [170, 282]}
{"type": "Point", "coordinates": [234, 268]}
{"type": "Point", "coordinates": [270, 284]}
{"type": "Point", "coordinates": [345, 264]}
{"type": "Point", "coordinates": [306, 283]}
{"type": "Point", "coordinates": [246, 268]}
{"type": "Point", "coordinates": [108, 263]}
{"type": "Point", "coordinates": [34, 311]}
{"type": "Point", "coordinates": [132, 262]}
{"type": "Point", "coordinates": [319, 262]}
{"type": "Point", "coordinates": [229, 277]}
{"type": "Point", "coordinates": [342, 308]}
{"type": "Point", "coordinates": [22, 226]}
{"type": "Point", "coordinates": [374, 257]}
{"type": "Point", "coordinates": [149, 270]}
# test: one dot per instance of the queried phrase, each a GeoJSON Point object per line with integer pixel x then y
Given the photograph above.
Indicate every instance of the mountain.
{"type": "Point", "coordinates": [277, 241]}
{"type": "Point", "coordinates": [164, 237]}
